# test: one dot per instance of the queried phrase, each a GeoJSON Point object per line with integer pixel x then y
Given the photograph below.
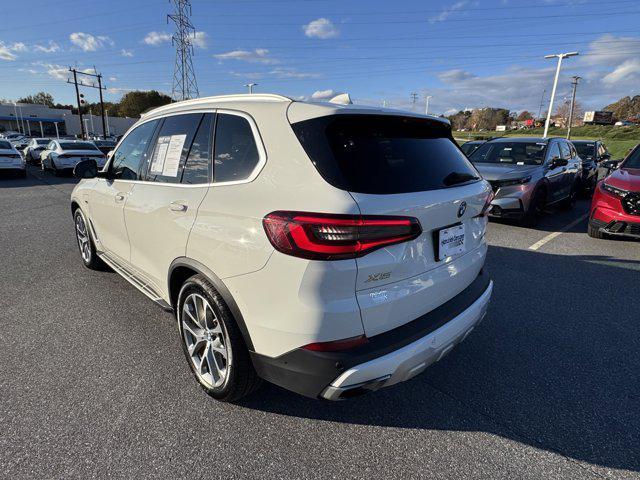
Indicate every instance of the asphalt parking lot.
{"type": "Point", "coordinates": [93, 383]}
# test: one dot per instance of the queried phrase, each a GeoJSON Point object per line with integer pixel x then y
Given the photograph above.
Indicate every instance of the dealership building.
{"type": "Point", "coordinates": [42, 121]}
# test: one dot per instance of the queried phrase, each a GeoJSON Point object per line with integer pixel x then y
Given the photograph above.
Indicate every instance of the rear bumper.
{"type": "Point", "coordinates": [387, 358]}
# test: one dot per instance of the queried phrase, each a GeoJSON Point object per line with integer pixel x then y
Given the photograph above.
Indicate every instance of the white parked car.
{"type": "Point", "coordinates": [330, 249]}
{"type": "Point", "coordinates": [11, 160]}
{"type": "Point", "coordinates": [34, 148]}
{"type": "Point", "coordinates": [64, 155]}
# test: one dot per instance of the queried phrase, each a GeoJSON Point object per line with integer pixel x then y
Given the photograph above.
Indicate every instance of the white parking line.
{"type": "Point", "coordinates": [553, 235]}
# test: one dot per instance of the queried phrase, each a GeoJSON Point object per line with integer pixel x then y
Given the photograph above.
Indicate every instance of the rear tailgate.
{"type": "Point", "coordinates": [404, 166]}
{"type": "Point", "coordinates": [397, 284]}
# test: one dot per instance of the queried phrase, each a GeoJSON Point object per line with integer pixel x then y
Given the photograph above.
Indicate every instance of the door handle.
{"type": "Point", "coordinates": [177, 207]}
{"type": "Point", "coordinates": [120, 196]}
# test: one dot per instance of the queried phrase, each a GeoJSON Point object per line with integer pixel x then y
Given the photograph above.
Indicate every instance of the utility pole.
{"type": "Point", "coordinates": [573, 103]}
{"type": "Point", "coordinates": [426, 108]}
{"type": "Point", "coordinates": [92, 85]}
{"type": "Point", "coordinates": [184, 77]}
{"type": "Point", "coordinates": [559, 56]}
{"type": "Point", "coordinates": [414, 98]}
{"type": "Point", "coordinates": [75, 81]}
{"type": "Point", "coordinates": [250, 86]}
{"type": "Point", "coordinates": [104, 129]}
{"type": "Point", "coordinates": [541, 103]}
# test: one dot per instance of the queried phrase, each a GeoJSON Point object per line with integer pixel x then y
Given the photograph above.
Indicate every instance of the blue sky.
{"type": "Point", "coordinates": [465, 53]}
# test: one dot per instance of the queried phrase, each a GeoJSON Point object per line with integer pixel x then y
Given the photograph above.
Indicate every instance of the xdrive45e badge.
{"type": "Point", "coordinates": [374, 277]}
{"type": "Point", "coordinates": [462, 208]}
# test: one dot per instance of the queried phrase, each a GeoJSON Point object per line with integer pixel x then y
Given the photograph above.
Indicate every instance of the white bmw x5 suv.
{"type": "Point", "coordinates": [329, 249]}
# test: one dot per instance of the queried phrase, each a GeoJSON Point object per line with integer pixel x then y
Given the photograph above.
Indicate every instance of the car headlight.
{"type": "Point", "coordinates": [511, 182]}
{"type": "Point", "coordinates": [618, 192]}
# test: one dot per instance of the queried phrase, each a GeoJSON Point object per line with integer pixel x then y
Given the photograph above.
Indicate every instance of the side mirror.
{"type": "Point", "coordinates": [86, 169]}
{"type": "Point", "coordinates": [110, 154]}
{"type": "Point", "coordinates": [558, 162]}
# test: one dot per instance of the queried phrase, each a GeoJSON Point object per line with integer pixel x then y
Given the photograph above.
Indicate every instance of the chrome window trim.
{"type": "Point", "coordinates": [262, 153]}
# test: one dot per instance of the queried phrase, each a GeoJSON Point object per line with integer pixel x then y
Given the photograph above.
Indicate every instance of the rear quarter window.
{"type": "Point", "coordinates": [384, 154]}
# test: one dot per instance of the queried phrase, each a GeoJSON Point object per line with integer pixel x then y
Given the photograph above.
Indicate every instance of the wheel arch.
{"type": "Point", "coordinates": [182, 268]}
{"type": "Point", "coordinates": [74, 206]}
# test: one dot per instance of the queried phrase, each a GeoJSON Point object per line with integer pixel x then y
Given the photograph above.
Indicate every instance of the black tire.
{"type": "Point", "coordinates": [240, 378]}
{"type": "Point", "coordinates": [536, 208]}
{"type": "Point", "coordinates": [595, 232]}
{"type": "Point", "coordinates": [89, 258]}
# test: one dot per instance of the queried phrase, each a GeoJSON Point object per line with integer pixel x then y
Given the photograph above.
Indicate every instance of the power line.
{"type": "Point", "coordinates": [184, 77]}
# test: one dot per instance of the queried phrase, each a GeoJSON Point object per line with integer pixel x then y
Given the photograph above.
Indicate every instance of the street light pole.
{"type": "Point", "coordinates": [559, 56]}
{"type": "Point", "coordinates": [573, 102]}
{"type": "Point", "coordinates": [426, 108]}
{"type": "Point", "coordinates": [250, 86]}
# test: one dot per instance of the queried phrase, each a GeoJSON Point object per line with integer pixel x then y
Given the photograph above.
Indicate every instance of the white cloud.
{"type": "Point", "coordinates": [6, 54]}
{"type": "Point", "coordinates": [292, 73]}
{"type": "Point", "coordinates": [18, 47]}
{"type": "Point", "coordinates": [113, 79]}
{"type": "Point", "coordinates": [455, 75]}
{"type": "Point", "coordinates": [323, 94]}
{"type": "Point", "coordinates": [321, 28]}
{"type": "Point", "coordinates": [52, 47]}
{"type": "Point", "coordinates": [88, 42]}
{"type": "Point", "coordinates": [126, 53]}
{"type": "Point", "coordinates": [259, 55]}
{"type": "Point", "coordinates": [59, 72]}
{"type": "Point", "coordinates": [448, 11]}
{"type": "Point", "coordinates": [157, 38]}
{"type": "Point", "coordinates": [199, 39]}
{"type": "Point", "coordinates": [629, 70]}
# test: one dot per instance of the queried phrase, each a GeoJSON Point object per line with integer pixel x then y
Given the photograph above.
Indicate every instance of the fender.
{"type": "Point", "coordinates": [219, 286]}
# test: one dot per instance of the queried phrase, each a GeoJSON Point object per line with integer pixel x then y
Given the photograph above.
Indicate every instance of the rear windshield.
{"type": "Point", "coordinates": [585, 150]}
{"type": "Point", "coordinates": [78, 146]}
{"type": "Point", "coordinates": [383, 154]}
{"type": "Point", "coordinates": [468, 148]}
{"type": "Point", "coordinates": [5, 145]}
{"type": "Point", "coordinates": [510, 153]}
{"type": "Point", "coordinates": [43, 141]}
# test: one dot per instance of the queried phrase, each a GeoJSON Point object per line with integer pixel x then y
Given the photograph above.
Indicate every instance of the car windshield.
{"type": "Point", "coordinates": [78, 146]}
{"type": "Point", "coordinates": [105, 143]}
{"type": "Point", "coordinates": [384, 154]}
{"type": "Point", "coordinates": [633, 160]}
{"type": "Point", "coordinates": [469, 147]}
{"type": "Point", "coordinates": [585, 149]}
{"type": "Point", "coordinates": [510, 153]}
{"type": "Point", "coordinates": [5, 145]}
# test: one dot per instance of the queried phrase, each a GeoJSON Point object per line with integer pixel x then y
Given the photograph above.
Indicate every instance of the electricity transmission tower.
{"type": "Point", "coordinates": [184, 77]}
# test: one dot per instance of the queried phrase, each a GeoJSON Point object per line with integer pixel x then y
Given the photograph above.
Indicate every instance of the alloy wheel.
{"type": "Point", "coordinates": [83, 238]}
{"type": "Point", "coordinates": [205, 340]}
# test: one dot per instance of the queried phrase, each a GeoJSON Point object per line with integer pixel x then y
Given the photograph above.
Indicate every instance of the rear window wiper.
{"type": "Point", "coordinates": [455, 178]}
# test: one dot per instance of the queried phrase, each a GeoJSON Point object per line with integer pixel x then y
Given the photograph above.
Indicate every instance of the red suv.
{"type": "Point", "coordinates": [615, 208]}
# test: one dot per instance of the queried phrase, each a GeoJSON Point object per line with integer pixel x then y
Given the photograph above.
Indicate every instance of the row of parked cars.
{"type": "Point", "coordinates": [56, 154]}
{"type": "Point", "coordinates": [529, 174]}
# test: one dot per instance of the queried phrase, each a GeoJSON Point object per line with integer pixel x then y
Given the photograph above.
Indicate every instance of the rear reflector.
{"type": "Point", "coordinates": [318, 236]}
{"type": "Point", "coordinates": [337, 345]}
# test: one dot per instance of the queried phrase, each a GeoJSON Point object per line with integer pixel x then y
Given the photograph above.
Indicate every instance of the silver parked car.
{"type": "Point", "coordinates": [64, 155]}
{"type": "Point", "coordinates": [528, 174]}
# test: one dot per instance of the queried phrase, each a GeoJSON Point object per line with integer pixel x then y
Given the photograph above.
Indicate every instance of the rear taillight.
{"type": "Point", "coordinates": [337, 345]}
{"type": "Point", "coordinates": [318, 236]}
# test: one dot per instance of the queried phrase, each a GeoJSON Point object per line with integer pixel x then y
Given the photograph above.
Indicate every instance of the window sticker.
{"type": "Point", "coordinates": [159, 155]}
{"type": "Point", "coordinates": [166, 159]}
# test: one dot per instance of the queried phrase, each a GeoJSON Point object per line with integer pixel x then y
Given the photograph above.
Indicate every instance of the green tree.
{"type": "Point", "coordinates": [133, 104]}
{"type": "Point", "coordinates": [524, 115]}
{"type": "Point", "coordinates": [42, 98]}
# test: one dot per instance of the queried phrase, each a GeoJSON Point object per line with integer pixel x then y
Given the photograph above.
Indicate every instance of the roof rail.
{"type": "Point", "coordinates": [240, 97]}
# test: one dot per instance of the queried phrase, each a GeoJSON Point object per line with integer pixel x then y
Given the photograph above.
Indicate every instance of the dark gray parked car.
{"type": "Point", "coordinates": [528, 174]}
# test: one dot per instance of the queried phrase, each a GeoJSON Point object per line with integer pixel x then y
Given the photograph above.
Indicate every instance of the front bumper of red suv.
{"type": "Point", "coordinates": [610, 216]}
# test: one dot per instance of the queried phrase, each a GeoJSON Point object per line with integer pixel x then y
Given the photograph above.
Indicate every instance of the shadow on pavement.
{"type": "Point", "coordinates": [35, 177]}
{"type": "Point", "coordinates": [554, 364]}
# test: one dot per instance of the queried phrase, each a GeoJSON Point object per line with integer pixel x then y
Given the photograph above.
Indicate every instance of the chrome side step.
{"type": "Point", "coordinates": [130, 276]}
